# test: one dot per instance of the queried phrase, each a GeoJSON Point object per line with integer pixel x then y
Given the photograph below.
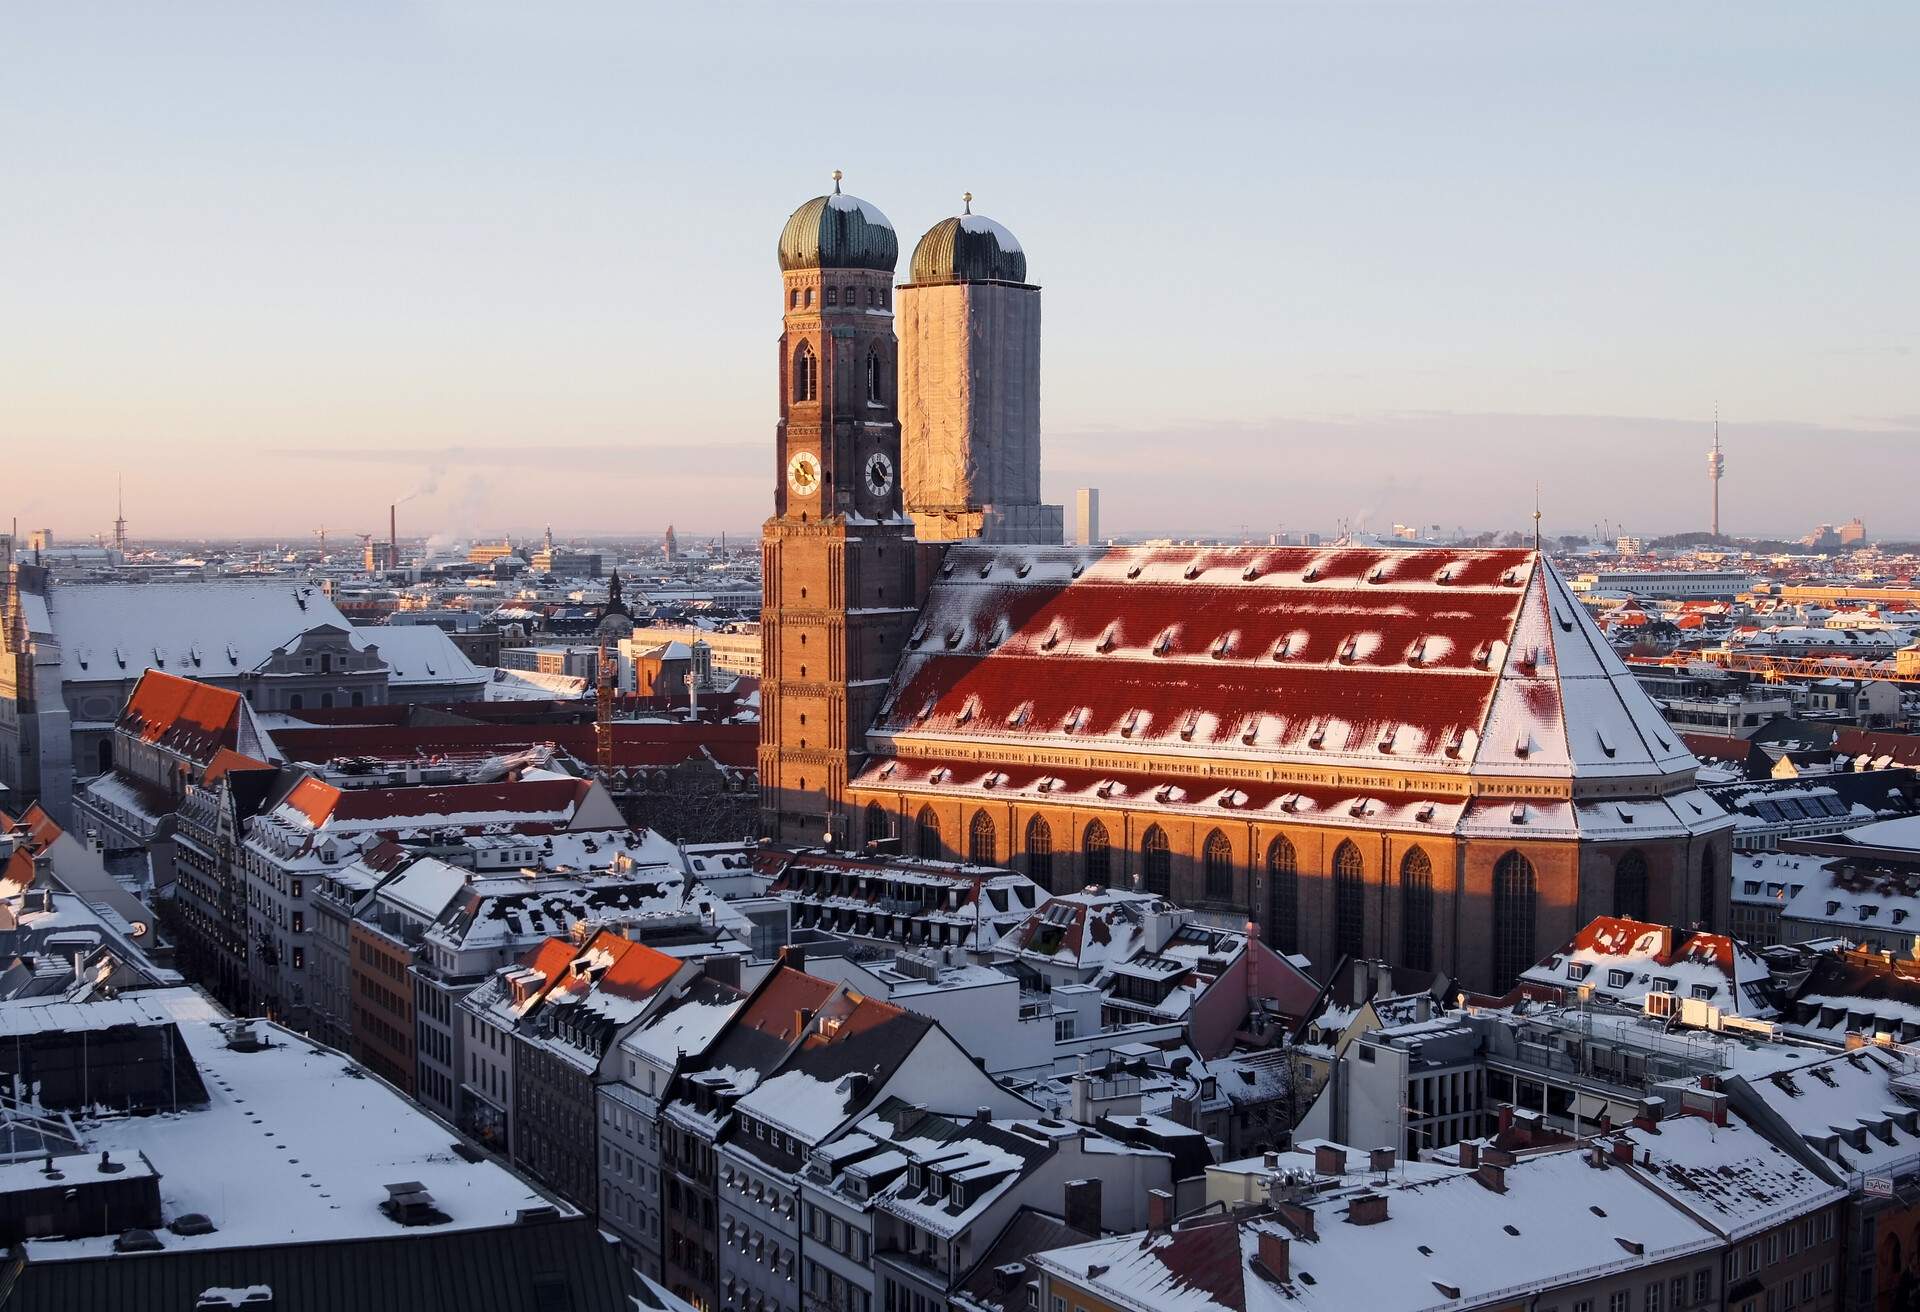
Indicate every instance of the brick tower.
{"type": "Point", "coordinates": [837, 556]}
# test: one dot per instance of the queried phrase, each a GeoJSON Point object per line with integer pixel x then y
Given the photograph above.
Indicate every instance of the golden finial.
{"type": "Point", "coordinates": [966, 201]}
{"type": "Point", "coordinates": [836, 182]}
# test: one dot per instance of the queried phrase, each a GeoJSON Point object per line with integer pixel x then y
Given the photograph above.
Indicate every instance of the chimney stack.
{"type": "Point", "coordinates": [1506, 1117]}
{"type": "Point", "coordinates": [1273, 1255]}
{"type": "Point", "coordinates": [1380, 1159]}
{"type": "Point", "coordinates": [1623, 1151]}
{"type": "Point", "coordinates": [1493, 1177]}
{"type": "Point", "coordinates": [1159, 1210]}
{"type": "Point", "coordinates": [393, 535]}
{"type": "Point", "coordinates": [1367, 1209]}
{"type": "Point", "coordinates": [1469, 1153]}
{"type": "Point", "coordinates": [1080, 1206]}
{"type": "Point", "coordinates": [1329, 1160]}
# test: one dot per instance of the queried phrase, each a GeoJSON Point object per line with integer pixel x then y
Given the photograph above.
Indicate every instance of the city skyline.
{"type": "Point", "coordinates": [486, 266]}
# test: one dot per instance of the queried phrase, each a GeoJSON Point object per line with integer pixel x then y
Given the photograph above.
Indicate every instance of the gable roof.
{"type": "Point", "coordinates": [206, 629]}
{"type": "Point", "coordinates": [1646, 957]}
{"type": "Point", "coordinates": [1447, 661]}
{"type": "Point", "coordinates": [183, 715]}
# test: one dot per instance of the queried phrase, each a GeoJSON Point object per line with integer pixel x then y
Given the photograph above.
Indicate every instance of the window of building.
{"type": "Point", "coordinates": [873, 377]}
{"type": "Point", "coordinates": [1217, 858]}
{"type": "Point", "coordinates": [299, 958]}
{"type": "Point", "coordinates": [1620, 1300]}
{"type": "Point", "coordinates": [1349, 901]}
{"type": "Point", "coordinates": [806, 298]}
{"type": "Point", "coordinates": [793, 299]}
{"type": "Point", "coordinates": [1157, 860]}
{"type": "Point", "coordinates": [1283, 896]}
{"type": "Point", "coordinates": [927, 833]}
{"type": "Point", "coordinates": [847, 297]}
{"type": "Point", "coordinates": [296, 702]}
{"type": "Point", "coordinates": [1630, 886]}
{"type": "Point", "coordinates": [1097, 854]}
{"type": "Point", "coordinates": [879, 823]}
{"type": "Point", "coordinates": [1619, 979]}
{"type": "Point", "coordinates": [1514, 899]}
{"type": "Point", "coordinates": [1702, 1284]}
{"type": "Point", "coordinates": [326, 700]}
{"type": "Point", "coordinates": [833, 296]}
{"type": "Point", "coordinates": [806, 374]}
{"type": "Point", "coordinates": [981, 848]}
{"type": "Point", "coordinates": [1040, 853]}
{"type": "Point", "coordinates": [1416, 910]}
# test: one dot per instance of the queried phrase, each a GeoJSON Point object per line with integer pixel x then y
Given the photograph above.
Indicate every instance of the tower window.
{"type": "Point", "coordinates": [793, 299]}
{"type": "Point", "coordinates": [849, 298]}
{"type": "Point", "coordinates": [873, 377]}
{"type": "Point", "coordinates": [807, 298]}
{"type": "Point", "coordinates": [870, 296]}
{"type": "Point", "coordinates": [831, 299]}
{"type": "Point", "coordinates": [806, 374]}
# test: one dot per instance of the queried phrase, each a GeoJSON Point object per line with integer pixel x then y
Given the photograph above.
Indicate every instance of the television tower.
{"type": "Point", "coordinates": [120, 517]}
{"type": "Point", "coordinates": [1716, 469]}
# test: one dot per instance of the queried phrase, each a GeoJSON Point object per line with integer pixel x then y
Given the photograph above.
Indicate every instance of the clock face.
{"type": "Point", "coordinates": [803, 473]}
{"type": "Point", "coordinates": [879, 474]}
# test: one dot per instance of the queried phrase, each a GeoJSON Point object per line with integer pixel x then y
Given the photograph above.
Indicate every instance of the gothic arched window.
{"type": "Point", "coordinates": [1096, 854]}
{"type": "Point", "coordinates": [879, 823]}
{"type": "Point", "coordinates": [806, 374]}
{"type": "Point", "coordinates": [1513, 911]}
{"type": "Point", "coordinates": [1416, 910]}
{"type": "Point", "coordinates": [1158, 860]}
{"type": "Point", "coordinates": [1283, 896]}
{"type": "Point", "coordinates": [1630, 886]}
{"type": "Point", "coordinates": [1040, 853]}
{"type": "Point", "coordinates": [1708, 894]}
{"type": "Point", "coordinates": [1349, 901]}
{"type": "Point", "coordinates": [927, 833]}
{"type": "Point", "coordinates": [873, 377]}
{"type": "Point", "coordinates": [980, 845]}
{"type": "Point", "coordinates": [1217, 858]}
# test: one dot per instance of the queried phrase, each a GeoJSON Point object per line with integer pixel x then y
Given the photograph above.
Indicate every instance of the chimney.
{"type": "Point", "coordinates": [1159, 1210]}
{"type": "Point", "coordinates": [1080, 1206]}
{"type": "Point", "coordinates": [793, 957]}
{"type": "Point", "coordinates": [1380, 1159]}
{"type": "Point", "coordinates": [1273, 1255]}
{"type": "Point", "coordinates": [1506, 1117]}
{"type": "Point", "coordinates": [981, 1115]}
{"type": "Point", "coordinates": [1469, 1153]}
{"type": "Point", "coordinates": [1300, 1218]}
{"type": "Point", "coordinates": [802, 1017]}
{"type": "Point", "coordinates": [1362, 982]}
{"type": "Point", "coordinates": [1623, 1151]}
{"type": "Point", "coordinates": [1367, 1209]}
{"type": "Point", "coordinates": [1493, 1177]}
{"type": "Point", "coordinates": [1329, 1160]}
{"type": "Point", "coordinates": [393, 535]}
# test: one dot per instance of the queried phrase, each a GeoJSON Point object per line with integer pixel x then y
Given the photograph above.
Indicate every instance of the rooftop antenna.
{"type": "Point", "coordinates": [966, 202]}
{"type": "Point", "coordinates": [1536, 518]}
{"type": "Point", "coordinates": [120, 515]}
{"type": "Point", "coordinates": [836, 182]}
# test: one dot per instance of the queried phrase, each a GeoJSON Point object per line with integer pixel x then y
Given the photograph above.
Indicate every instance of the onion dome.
{"type": "Point", "coordinates": [839, 232]}
{"type": "Point", "coordinates": [968, 247]}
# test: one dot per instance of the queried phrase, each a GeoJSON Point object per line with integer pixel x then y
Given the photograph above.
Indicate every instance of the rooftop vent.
{"type": "Point", "coordinates": [137, 1241]}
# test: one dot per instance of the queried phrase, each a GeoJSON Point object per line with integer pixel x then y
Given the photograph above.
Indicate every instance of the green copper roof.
{"type": "Point", "coordinates": [968, 248]}
{"type": "Point", "coordinates": [839, 232]}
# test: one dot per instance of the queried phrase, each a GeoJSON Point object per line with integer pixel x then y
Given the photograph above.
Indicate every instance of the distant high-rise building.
{"type": "Point", "coordinates": [670, 546]}
{"type": "Point", "coordinates": [969, 380]}
{"type": "Point", "coordinates": [1086, 508]}
{"type": "Point", "coordinates": [1853, 533]}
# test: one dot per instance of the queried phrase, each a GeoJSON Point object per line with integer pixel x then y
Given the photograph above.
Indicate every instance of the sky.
{"type": "Point", "coordinates": [1306, 266]}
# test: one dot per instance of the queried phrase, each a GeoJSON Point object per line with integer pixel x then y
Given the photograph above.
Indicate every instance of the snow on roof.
{"type": "Point", "coordinates": [1455, 1240]}
{"type": "Point", "coordinates": [1903, 832]}
{"type": "Point", "coordinates": [295, 1146]}
{"type": "Point", "coordinates": [1436, 660]}
{"type": "Point", "coordinates": [686, 1026]}
{"type": "Point", "coordinates": [1847, 1106]}
{"type": "Point", "coordinates": [109, 632]}
{"type": "Point", "coordinates": [867, 209]}
{"type": "Point", "coordinates": [426, 887]}
{"type": "Point", "coordinates": [1852, 895]}
{"type": "Point", "coordinates": [1092, 929]}
{"type": "Point", "coordinates": [184, 715]}
{"type": "Point", "coordinates": [1625, 959]}
{"type": "Point", "coordinates": [1731, 1176]}
{"type": "Point", "coordinates": [421, 654]}
{"type": "Point", "coordinates": [979, 223]}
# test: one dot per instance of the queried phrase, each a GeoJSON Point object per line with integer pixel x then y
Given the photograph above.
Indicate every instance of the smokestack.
{"type": "Point", "coordinates": [393, 536]}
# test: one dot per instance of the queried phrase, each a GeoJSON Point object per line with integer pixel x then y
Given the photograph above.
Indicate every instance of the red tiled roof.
{"type": "Point", "coordinates": [227, 759]}
{"type": "Point", "coordinates": [1904, 748]}
{"type": "Point", "coordinates": [40, 827]}
{"type": "Point", "coordinates": [774, 1009]}
{"type": "Point", "coordinates": [1444, 660]}
{"type": "Point", "coordinates": [532, 800]}
{"type": "Point", "coordinates": [183, 715]}
{"type": "Point", "coordinates": [1717, 747]}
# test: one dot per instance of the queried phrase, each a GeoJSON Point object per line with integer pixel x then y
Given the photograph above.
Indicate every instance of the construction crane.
{"type": "Point", "coordinates": [608, 676]}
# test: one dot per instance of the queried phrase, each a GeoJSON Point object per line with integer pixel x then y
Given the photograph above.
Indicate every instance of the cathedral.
{"type": "Point", "coordinates": [1426, 755]}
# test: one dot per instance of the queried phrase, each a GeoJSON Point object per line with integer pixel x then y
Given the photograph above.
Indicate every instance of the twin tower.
{"type": "Point", "coordinates": [886, 449]}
